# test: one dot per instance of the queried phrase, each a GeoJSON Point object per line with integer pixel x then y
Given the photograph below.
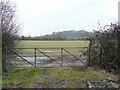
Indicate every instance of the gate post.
{"type": "Point", "coordinates": [35, 55]}
{"type": "Point", "coordinates": [89, 51]}
{"type": "Point", "coordinates": [4, 60]}
{"type": "Point", "coordinates": [7, 63]}
{"type": "Point", "coordinates": [61, 56]}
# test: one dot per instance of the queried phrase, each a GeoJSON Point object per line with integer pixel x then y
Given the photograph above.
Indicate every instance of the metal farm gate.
{"type": "Point", "coordinates": [47, 57]}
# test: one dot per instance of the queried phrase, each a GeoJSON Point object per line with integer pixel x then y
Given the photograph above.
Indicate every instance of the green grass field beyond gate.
{"type": "Point", "coordinates": [45, 44]}
{"type": "Point", "coordinates": [53, 44]}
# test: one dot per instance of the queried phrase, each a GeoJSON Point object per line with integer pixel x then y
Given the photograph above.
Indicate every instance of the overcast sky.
{"type": "Point", "coordinates": [40, 17]}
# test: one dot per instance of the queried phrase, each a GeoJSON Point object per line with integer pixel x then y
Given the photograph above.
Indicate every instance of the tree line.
{"type": "Point", "coordinates": [64, 35]}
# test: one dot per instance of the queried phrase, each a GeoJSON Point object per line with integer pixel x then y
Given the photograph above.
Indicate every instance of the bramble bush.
{"type": "Point", "coordinates": [104, 48]}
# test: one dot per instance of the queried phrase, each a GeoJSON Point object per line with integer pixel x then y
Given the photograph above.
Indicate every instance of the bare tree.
{"type": "Point", "coordinates": [10, 28]}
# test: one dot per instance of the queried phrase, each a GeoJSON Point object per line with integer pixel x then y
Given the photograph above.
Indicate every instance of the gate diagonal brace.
{"type": "Point", "coordinates": [47, 55]}
{"type": "Point", "coordinates": [23, 58]}
{"type": "Point", "coordinates": [73, 55]}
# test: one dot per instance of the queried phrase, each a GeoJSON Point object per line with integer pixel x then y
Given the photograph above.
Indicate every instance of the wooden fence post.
{"type": "Point", "coordinates": [61, 56]}
{"type": "Point", "coordinates": [4, 61]}
{"type": "Point", "coordinates": [35, 55]}
{"type": "Point", "coordinates": [89, 49]}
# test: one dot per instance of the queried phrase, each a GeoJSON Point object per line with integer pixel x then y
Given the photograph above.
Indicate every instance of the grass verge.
{"type": "Point", "coordinates": [53, 77]}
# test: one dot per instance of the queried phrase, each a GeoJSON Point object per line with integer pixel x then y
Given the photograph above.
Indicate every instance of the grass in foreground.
{"type": "Point", "coordinates": [53, 77]}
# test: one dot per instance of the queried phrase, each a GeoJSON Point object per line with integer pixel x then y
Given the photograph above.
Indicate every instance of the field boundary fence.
{"type": "Point", "coordinates": [47, 57]}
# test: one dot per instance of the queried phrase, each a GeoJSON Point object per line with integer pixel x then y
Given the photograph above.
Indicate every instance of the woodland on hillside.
{"type": "Point", "coordinates": [64, 35]}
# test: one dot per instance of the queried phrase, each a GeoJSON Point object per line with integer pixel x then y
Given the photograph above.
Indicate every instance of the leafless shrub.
{"type": "Point", "coordinates": [9, 27]}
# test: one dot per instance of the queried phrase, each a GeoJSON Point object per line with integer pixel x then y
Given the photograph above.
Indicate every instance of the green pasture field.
{"type": "Point", "coordinates": [46, 44]}
{"type": "Point", "coordinates": [52, 44]}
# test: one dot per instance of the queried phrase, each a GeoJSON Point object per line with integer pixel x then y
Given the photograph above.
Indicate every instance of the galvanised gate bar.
{"type": "Point", "coordinates": [47, 57]}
